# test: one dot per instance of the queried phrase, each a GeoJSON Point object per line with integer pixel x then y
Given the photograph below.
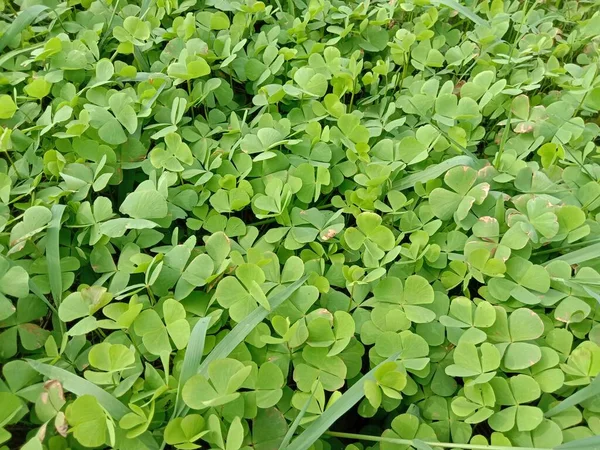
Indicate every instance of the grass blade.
{"type": "Point", "coordinates": [141, 59]}
{"type": "Point", "coordinates": [17, 52]}
{"type": "Point", "coordinates": [432, 172]}
{"type": "Point", "coordinates": [34, 288]}
{"type": "Point", "coordinates": [53, 254]}
{"type": "Point", "coordinates": [419, 443]}
{"type": "Point", "coordinates": [20, 23]}
{"type": "Point", "coordinates": [80, 386]}
{"type": "Point", "coordinates": [576, 398]}
{"type": "Point", "coordinates": [579, 256]}
{"type": "Point", "coordinates": [589, 443]}
{"type": "Point", "coordinates": [145, 7]}
{"type": "Point", "coordinates": [592, 293]}
{"type": "Point", "coordinates": [292, 429]}
{"type": "Point", "coordinates": [192, 358]}
{"type": "Point", "coordinates": [350, 398]}
{"type": "Point", "coordinates": [452, 4]}
{"type": "Point", "coordinates": [39, 294]}
{"type": "Point", "coordinates": [244, 328]}
{"type": "Point", "coordinates": [424, 117]}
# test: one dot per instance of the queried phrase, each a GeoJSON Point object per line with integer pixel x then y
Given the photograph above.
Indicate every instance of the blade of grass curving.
{"type": "Point", "coordinates": [39, 294]}
{"type": "Point", "coordinates": [592, 293]}
{"type": "Point", "coordinates": [462, 10]}
{"type": "Point", "coordinates": [9, 55]}
{"type": "Point", "coordinates": [292, 429]}
{"type": "Point", "coordinates": [108, 30]}
{"type": "Point", "coordinates": [576, 398]}
{"type": "Point", "coordinates": [53, 254]}
{"type": "Point", "coordinates": [350, 398]}
{"type": "Point", "coordinates": [80, 386]}
{"type": "Point", "coordinates": [421, 445]}
{"type": "Point", "coordinates": [244, 328]}
{"type": "Point", "coordinates": [417, 443]}
{"type": "Point", "coordinates": [432, 172]}
{"type": "Point", "coordinates": [20, 23]}
{"type": "Point", "coordinates": [145, 7]}
{"type": "Point", "coordinates": [462, 148]}
{"type": "Point", "coordinates": [192, 358]}
{"type": "Point", "coordinates": [589, 443]}
{"type": "Point", "coordinates": [565, 247]}
{"type": "Point", "coordinates": [34, 288]}
{"type": "Point", "coordinates": [504, 138]}
{"type": "Point", "coordinates": [579, 256]}
{"type": "Point", "coordinates": [141, 59]}
{"type": "Point", "coordinates": [424, 117]}
{"type": "Point", "coordinates": [145, 76]}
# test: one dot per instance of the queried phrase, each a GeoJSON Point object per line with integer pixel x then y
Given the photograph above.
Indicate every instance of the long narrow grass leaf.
{"type": "Point", "coordinates": [35, 289]}
{"type": "Point", "coordinates": [579, 256]}
{"type": "Point", "coordinates": [415, 442]}
{"type": "Point", "coordinates": [462, 10]}
{"type": "Point", "coordinates": [22, 21]}
{"type": "Point", "coordinates": [432, 172]}
{"type": "Point", "coordinates": [9, 55]}
{"type": "Point", "coordinates": [294, 426]}
{"type": "Point", "coordinates": [458, 145]}
{"type": "Point", "coordinates": [592, 294]}
{"type": "Point", "coordinates": [53, 254]}
{"type": "Point", "coordinates": [243, 329]}
{"type": "Point", "coordinates": [39, 294]}
{"type": "Point", "coordinates": [576, 398]}
{"type": "Point", "coordinates": [145, 7]}
{"type": "Point", "coordinates": [80, 386]}
{"type": "Point", "coordinates": [192, 358]}
{"type": "Point", "coordinates": [350, 398]}
{"type": "Point", "coordinates": [589, 443]}
{"type": "Point", "coordinates": [141, 59]}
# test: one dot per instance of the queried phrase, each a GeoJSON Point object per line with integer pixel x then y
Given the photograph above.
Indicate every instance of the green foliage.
{"type": "Point", "coordinates": [299, 224]}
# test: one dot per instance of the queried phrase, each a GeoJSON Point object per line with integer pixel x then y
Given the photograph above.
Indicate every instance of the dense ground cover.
{"type": "Point", "coordinates": [226, 224]}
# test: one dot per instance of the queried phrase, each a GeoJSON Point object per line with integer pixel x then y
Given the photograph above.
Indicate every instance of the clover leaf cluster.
{"type": "Point", "coordinates": [299, 224]}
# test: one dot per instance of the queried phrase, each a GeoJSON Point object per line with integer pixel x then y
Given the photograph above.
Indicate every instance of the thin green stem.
{"type": "Point", "coordinates": [58, 18]}
{"type": "Point", "coordinates": [365, 437]}
{"type": "Point", "coordinates": [351, 99]}
{"type": "Point", "coordinates": [151, 295]}
{"type": "Point", "coordinates": [351, 298]}
{"type": "Point", "coordinates": [566, 247]}
{"type": "Point", "coordinates": [10, 160]}
{"type": "Point", "coordinates": [263, 222]}
{"type": "Point", "coordinates": [12, 9]}
{"type": "Point", "coordinates": [581, 104]}
{"type": "Point", "coordinates": [520, 33]}
{"type": "Point", "coordinates": [504, 138]}
{"type": "Point", "coordinates": [110, 21]}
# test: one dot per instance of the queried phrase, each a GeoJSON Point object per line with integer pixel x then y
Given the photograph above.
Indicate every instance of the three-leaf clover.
{"type": "Point", "coordinates": [21, 326]}
{"type": "Point", "coordinates": [155, 334]}
{"type": "Point", "coordinates": [457, 202]}
{"type": "Point", "coordinates": [513, 335]}
{"type": "Point", "coordinates": [240, 294]}
{"type": "Point", "coordinates": [415, 291]}
{"type": "Point", "coordinates": [514, 393]}
{"type": "Point", "coordinates": [372, 235]}
{"type": "Point", "coordinates": [225, 377]}
{"type": "Point", "coordinates": [89, 422]}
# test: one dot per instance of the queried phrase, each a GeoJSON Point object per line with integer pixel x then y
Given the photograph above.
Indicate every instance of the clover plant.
{"type": "Point", "coordinates": [299, 224]}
